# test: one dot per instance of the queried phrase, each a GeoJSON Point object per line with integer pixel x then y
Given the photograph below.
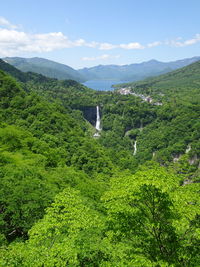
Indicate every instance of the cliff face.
{"type": "Point", "coordinates": [89, 113]}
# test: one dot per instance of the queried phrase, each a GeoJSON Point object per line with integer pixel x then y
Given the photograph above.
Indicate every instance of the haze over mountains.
{"type": "Point", "coordinates": [132, 72]}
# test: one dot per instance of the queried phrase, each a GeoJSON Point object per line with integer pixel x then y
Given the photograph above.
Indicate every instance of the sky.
{"type": "Point", "coordinates": [85, 33]}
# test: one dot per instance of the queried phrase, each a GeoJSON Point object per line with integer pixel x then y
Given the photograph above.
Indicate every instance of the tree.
{"type": "Point", "coordinates": [68, 235]}
{"type": "Point", "coordinates": [150, 219]}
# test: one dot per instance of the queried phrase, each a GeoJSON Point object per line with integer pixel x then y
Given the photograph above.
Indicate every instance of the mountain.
{"type": "Point", "coordinates": [181, 82]}
{"type": "Point", "coordinates": [20, 75]}
{"type": "Point", "coordinates": [65, 90]}
{"type": "Point", "coordinates": [133, 72]}
{"type": "Point", "coordinates": [45, 67]}
{"type": "Point", "coordinates": [41, 80]}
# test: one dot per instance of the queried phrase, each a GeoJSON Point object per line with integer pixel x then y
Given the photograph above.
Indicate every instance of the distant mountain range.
{"type": "Point", "coordinates": [182, 83]}
{"type": "Point", "coordinates": [132, 72]}
{"type": "Point", "coordinates": [45, 67]}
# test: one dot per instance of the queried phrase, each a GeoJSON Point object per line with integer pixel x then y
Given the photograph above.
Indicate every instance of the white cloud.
{"type": "Point", "coordinates": [5, 23]}
{"type": "Point", "coordinates": [154, 44]}
{"type": "Point", "coordinates": [91, 44]}
{"type": "Point", "coordinates": [131, 46]}
{"type": "Point", "coordinates": [12, 37]}
{"type": "Point", "coordinates": [107, 46]}
{"type": "Point", "coordinates": [178, 43]}
{"type": "Point", "coordinates": [15, 42]}
{"type": "Point", "coordinates": [102, 57]}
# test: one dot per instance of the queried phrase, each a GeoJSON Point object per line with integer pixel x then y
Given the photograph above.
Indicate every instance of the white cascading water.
{"type": "Point", "coordinates": [98, 121]}
{"type": "Point", "coordinates": [188, 149]}
{"type": "Point", "coordinates": [98, 124]}
{"type": "Point", "coordinates": [135, 148]}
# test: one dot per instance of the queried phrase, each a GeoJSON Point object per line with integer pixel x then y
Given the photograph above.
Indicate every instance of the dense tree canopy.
{"type": "Point", "coordinates": [68, 199]}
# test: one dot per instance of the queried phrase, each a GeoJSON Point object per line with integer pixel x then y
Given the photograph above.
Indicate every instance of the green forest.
{"type": "Point", "coordinates": [127, 198]}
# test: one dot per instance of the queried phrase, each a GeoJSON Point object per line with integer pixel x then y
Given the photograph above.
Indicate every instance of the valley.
{"type": "Point", "coordinates": [99, 178]}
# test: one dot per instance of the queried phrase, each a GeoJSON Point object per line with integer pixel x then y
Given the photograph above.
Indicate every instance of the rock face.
{"type": "Point", "coordinates": [176, 157]}
{"type": "Point", "coordinates": [93, 115]}
{"type": "Point", "coordinates": [193, 160]}
{"type": "Point", "coordinates": [89, 113]}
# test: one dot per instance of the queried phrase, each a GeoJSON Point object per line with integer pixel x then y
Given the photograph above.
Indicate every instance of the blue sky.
{"type": "Point", "coordinates": [85, 33]}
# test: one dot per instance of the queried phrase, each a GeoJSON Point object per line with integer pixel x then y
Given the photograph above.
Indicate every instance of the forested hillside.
{"type": "Point", "coordinates": [45, 67]}
{"type": "Point", "coordinates": [182, 83]}
{"type": "Point", "coordinates": [127, 198]}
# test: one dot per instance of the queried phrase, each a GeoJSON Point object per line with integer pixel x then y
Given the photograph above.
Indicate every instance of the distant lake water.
{"type": "Point", "coordinates": [102, 85]}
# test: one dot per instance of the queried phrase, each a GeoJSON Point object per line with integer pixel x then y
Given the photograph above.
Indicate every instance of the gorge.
{"type": "Point", "coordinates": [70, 199]}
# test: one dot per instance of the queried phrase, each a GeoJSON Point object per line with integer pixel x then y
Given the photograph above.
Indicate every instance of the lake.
{"type": "Point", "coordinates": [102, 85]}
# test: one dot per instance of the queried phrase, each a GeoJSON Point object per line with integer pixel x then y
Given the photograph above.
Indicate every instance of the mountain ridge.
{"type": "Point", "coordinates": [135, 71]}
{"type": "Point", "coordinates": [45, 67]}
{"type": "Point", "coordinates": [128, 72]}
{"type": "Point", "coordinates": [183, 82]}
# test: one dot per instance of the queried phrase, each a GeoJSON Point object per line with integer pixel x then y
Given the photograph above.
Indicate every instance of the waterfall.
{"type": "Point", "coordinates": [188, 149]}
{"type": "Point", "coordinates": [98, 124]}
{"type": "Point", "coordinates": [135, 148]}
{"type": "Point", "coordinates": [98, 121]}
